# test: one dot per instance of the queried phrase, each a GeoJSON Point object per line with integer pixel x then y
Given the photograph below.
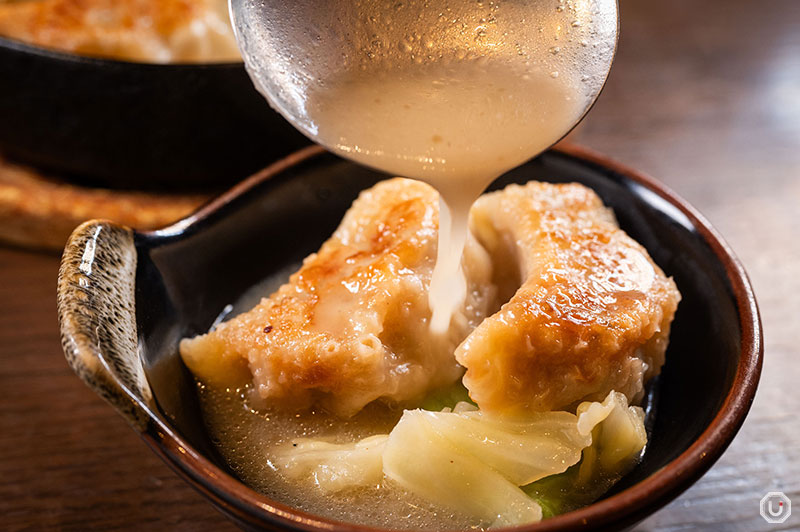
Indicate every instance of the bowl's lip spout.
{"type": "Point", "coordinates": [619, 510]}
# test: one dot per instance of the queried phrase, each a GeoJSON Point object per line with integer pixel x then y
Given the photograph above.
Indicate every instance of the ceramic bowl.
{"type": "Point", "coordinates": [136, 125]}
{"type": "Point", "coordinates": [126, 298]}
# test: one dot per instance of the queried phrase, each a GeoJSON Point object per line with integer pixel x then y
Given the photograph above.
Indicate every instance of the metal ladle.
{"type": "Point", "coordinates": [293, 48]}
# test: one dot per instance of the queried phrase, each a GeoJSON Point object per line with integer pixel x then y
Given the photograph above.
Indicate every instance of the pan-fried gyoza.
{"type": "Point", "coordinates": [566, 319]}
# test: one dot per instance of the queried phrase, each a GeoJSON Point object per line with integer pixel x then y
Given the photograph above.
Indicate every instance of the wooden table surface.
{"type": "Point", "coordinates": [703, 95]}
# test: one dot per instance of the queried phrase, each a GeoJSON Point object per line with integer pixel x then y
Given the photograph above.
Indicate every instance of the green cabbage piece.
{"type": "Point", "coordinates": [425, 462]}
{"type": "Point", "coordinates": [335, 467]}
{"type": "Point", "coordinates": [618, 441]}
{"type": "Point", "coordinates": [447, 398]}
{"type": "Point", "coordinates": [500, 471]}
{"type": "Point", "coordinates": [522, 451]}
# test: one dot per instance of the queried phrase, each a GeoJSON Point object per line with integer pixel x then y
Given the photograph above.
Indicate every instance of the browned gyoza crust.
{"type": "Point", "coordinates": [351, 326]}
{"type": "Point", "coordinates": [592, 313]}
{"type": "Point", "coordinates": [587, 310]}
{"type": "Point", "coordinates": [155, 31]}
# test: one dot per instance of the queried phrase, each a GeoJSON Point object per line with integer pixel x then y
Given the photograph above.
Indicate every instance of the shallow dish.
{"type": "Point", "coordinates": [126, 298]}
{"type": "Point", "coordinates": [136, 125]}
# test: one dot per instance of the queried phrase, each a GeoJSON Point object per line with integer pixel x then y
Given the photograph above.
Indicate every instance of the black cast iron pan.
{"type": "Point", "coordinates": [136, 125]}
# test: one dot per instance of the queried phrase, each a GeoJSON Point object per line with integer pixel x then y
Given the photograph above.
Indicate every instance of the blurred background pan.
{"type": "Point", "coordinates": [136, 125]}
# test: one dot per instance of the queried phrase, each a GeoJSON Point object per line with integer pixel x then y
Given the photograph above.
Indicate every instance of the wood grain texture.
{"type": "Point", "coordinates": [706, 98]}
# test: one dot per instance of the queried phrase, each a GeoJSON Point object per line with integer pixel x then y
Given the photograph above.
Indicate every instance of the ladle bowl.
{"type": "Point", "coordinates": [298, 50]}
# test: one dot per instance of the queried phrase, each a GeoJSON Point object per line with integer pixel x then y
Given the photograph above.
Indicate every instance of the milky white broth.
{"type": "Point", "coordinates": [456, 126]}
{"type": "Point", "coordinates": [248, 441]}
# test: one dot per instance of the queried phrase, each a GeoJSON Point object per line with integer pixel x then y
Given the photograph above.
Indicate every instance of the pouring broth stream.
{"type": "Point", "coordinates": [457, 128]}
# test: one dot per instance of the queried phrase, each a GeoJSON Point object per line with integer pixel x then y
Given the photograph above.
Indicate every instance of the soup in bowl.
{"type": "Point", "coordinates": [127, 299]}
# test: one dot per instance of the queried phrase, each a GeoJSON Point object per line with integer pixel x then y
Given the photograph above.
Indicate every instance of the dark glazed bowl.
{"type": "Point", "coordinates": [136, 125]}
{"type": "Point", "coordinates": [126, 298]}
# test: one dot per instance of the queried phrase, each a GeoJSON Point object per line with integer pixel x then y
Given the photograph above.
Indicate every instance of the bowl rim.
{"type": "Point", "coordinates": [67, 57]}
{"type": "Point", "coordinates": [624, 508]}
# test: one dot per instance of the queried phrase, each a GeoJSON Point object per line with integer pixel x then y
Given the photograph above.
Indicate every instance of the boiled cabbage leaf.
{"type": "Point", "coordinates": [498, 470]}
